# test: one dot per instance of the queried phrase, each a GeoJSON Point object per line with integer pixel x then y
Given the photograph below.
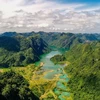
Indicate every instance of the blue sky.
{"type": "Point", "coordinates": [89, 3]}
{"type": "Point", "coordinates": [79, 1]}
{"type": "Point", "coordinates": [80, 16]}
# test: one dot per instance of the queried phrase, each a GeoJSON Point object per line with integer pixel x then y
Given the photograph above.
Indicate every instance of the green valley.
{"type": "Point", "coordinates": [49, 66]}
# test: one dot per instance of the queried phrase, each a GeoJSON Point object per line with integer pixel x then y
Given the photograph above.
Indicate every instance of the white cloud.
{"type": "Point", "coordinates": [43, 15]}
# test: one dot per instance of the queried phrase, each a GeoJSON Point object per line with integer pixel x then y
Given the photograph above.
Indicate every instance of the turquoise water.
{"type": "Point", "coordinates": [61, 88]}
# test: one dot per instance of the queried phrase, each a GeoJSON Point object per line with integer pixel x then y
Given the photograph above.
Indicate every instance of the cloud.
{"type": "Point", "coordinates": [43, 15]}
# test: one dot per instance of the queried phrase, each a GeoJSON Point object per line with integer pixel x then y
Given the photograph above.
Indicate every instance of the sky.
{"type": "Point", "coordinates": [78, 16]}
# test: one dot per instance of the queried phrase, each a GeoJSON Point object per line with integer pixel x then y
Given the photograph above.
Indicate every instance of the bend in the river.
{"type": "Point", "coordinates": [57, 71]}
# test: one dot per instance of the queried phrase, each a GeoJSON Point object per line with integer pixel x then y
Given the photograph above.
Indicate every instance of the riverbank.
{"type": "Point", "coordinates": [54, 76]}
{"type": "Point", "coordinates": [46, 80]}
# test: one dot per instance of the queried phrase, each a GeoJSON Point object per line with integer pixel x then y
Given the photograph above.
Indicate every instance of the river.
{"type": "Point", "coordinates": [61, 89]}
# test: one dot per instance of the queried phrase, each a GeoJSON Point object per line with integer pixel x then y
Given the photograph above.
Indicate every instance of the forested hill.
{"type": "Point", "coordinates": [67, 40]}
{"type": "Point", "coordinates": [14, 87]}
{"type": "Point", "coordinates": [59, 40]}
{"type": "Point", "coordinates": [84, 70]}
{"type": "Point", "coordinates": [20, 50]}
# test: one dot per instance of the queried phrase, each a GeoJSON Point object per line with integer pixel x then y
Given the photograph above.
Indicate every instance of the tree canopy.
{"type": "Point", "coordinates": [14, 87]}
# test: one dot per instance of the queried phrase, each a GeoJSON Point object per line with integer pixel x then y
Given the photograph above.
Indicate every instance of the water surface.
{"type": "Point", "coordinates": [61, 88]}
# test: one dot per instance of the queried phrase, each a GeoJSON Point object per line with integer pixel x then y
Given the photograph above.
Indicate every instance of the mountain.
{"type": "Point", "coordinates": [67, 40]}
{"type": "Point", "coordinates": [57, 39]}
{"type": "Point", "coordinates": [10, 34]}
{"type": "Point", "coordinates": [88, 37]}
{"type": "Point", "coordinates": [20, 50]}
{"type": "Point", "coordinates": [83, 69]}
{"type": "Point", "coordinates": [62, 40]}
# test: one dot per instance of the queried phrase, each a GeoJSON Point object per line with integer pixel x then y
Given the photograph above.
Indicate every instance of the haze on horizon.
{"type": "Point", "coordinates": [50, 15]}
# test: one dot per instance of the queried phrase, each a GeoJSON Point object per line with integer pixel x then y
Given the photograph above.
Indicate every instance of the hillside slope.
{"type": "Point", "coordinates": [20, 50]}
{"type": "Point", "coordinates": [84, 70]}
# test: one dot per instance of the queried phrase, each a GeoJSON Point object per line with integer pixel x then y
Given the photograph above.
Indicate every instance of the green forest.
{"type": "Point", "coordinates": [21, 51]}
{"type": "Point", "coordinates": [84, 70]}
{"type": "Point", "coordinates": [22, 76]}
{"type": "Point", "coordinates": [14, 87]}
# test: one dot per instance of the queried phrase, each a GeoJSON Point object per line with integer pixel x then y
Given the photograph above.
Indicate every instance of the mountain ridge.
{"type": "Point", "coordinates": [20, 51]}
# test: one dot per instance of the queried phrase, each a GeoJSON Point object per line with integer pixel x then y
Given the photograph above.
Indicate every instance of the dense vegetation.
{"type": "Point", "coordinates": [58, 39]}
{"type": "Point", "coordinates": [67, 40]}
{"type": "Point", "coordinates": [57, 58]}
{"type": "Point", "coordinates": [14, 87]}
{"type": "Point", "coordinates": [84, 70]}
{"type": "Point", "coordinates": [20, 50]}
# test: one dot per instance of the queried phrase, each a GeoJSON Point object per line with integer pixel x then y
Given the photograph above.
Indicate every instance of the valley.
{"type": "Point", "coordinates": [48, 82]}
{"type": "Point", "coordinates": [49, 49]}
{"type": "Point", "coordinates": [55, 66]}
{"type": "Point", "coordinates": [54, 74]}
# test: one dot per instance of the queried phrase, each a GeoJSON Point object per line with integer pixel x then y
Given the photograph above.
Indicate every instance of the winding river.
{"type": "Point", "coordinates": [61, 89]}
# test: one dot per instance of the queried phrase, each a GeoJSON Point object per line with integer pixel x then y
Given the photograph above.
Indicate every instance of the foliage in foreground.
{"type": "Point", "coordinates": [14, 87]}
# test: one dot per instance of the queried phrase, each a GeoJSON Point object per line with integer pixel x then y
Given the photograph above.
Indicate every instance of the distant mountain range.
{"type": "Point", "coordinates": [60, 40]}
{"type": "Point", "coordinates": [20, 49]}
